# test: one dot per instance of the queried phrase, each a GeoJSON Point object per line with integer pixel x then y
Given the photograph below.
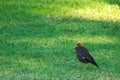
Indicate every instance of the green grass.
{"type": "Point", "coordinates": [38, 37]}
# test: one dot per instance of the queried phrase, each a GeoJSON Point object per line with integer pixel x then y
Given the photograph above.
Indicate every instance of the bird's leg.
{"type": "Point", "coordinates": [84, 66]}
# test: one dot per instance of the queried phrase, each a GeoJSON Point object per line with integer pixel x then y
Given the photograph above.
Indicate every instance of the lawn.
{"type": "Point", "coordinates": [38, 39]}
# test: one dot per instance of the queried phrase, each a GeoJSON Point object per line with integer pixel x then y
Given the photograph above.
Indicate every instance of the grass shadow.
{"type": "Point", "coordinates": [116, 2]}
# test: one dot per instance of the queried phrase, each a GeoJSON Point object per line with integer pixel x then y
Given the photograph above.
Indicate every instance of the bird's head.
{"type": "Point", "coordinates": [79, 44]}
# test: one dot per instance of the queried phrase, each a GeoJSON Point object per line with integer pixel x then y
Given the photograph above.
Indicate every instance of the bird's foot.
{"type": "Point", "coordinates": [84, 67]}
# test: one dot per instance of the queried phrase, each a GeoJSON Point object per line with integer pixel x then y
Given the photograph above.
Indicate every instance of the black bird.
{"type": "Point", "coordinates": [84, 56]}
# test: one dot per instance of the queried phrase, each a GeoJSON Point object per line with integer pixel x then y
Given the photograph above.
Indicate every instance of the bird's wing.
{"type": "Point", "coordinates": [88, 57]}
{"type": "Point", "coordinates": [82, 56]}
{"type": "Point", "coordinates": [81, 53]}
{"type": "Point", "coordinates": [85, 54]}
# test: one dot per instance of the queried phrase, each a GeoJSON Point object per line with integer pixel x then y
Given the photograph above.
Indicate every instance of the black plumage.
{"type": "Point", "coordinates": [83, 55]}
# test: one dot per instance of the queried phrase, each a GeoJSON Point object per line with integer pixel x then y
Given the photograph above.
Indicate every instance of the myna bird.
{"type": "Point", "coordinates": [84, 56]}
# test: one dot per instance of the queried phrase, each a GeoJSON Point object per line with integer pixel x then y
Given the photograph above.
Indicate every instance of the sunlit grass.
{"type": "Point", "coordinates": [38, 39]}
{"type": "Point", "coordinates": [78, 38]}
{"type": "Point", "coordinates": [106, 13]}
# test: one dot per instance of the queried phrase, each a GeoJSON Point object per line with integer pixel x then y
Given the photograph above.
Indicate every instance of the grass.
{"type": "Point", "coordinates": [38, 37]}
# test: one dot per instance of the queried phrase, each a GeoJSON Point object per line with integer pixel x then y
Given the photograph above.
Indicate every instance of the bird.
{"type": "Point", "coordinates": [84, 56]}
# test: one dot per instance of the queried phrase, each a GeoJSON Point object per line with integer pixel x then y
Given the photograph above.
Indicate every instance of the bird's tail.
{"type": "Point", "coordinates": [94, 63]}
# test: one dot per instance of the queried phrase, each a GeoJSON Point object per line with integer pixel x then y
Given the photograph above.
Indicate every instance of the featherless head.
{"type": "Point", "coordinates": [79, 44]}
